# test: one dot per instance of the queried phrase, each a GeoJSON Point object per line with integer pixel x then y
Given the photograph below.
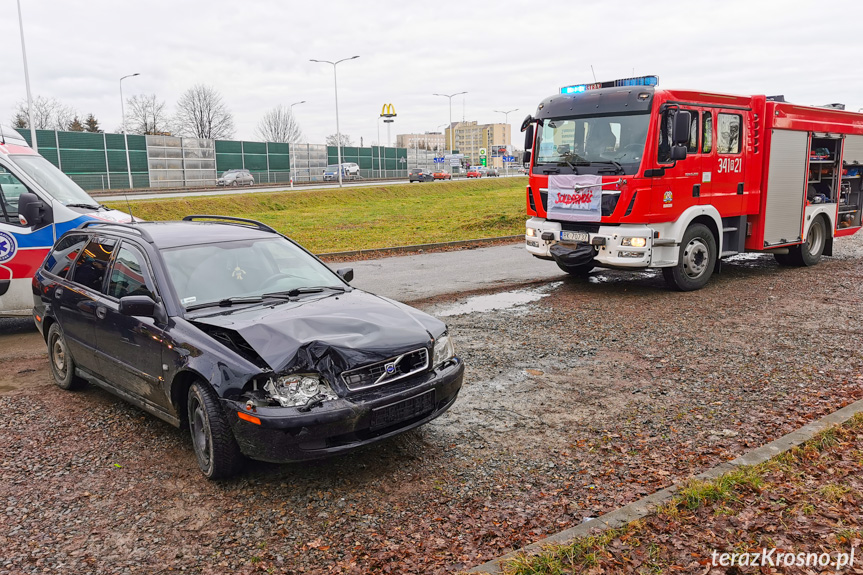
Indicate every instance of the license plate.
{"type": "Point", "coordinates": [567, 236]}
{"type": "Point", "coordinates": [403, 410]}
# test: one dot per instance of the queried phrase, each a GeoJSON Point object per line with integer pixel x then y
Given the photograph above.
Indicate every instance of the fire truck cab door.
{"type": "Point", "coordinates": [680, 187]}
{"type": "Point", "coordinates": [724, 165]}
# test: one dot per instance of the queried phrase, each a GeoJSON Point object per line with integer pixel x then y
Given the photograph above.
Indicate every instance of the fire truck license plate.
{"type": "Point", "coordinates": [566, 236]}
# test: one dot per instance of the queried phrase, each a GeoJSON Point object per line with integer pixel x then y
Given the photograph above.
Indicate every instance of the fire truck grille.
{"type": "Point", "coordinates": [391, 369]}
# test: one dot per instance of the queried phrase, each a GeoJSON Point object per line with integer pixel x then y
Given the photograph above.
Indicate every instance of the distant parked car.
{"type": "Point", "coordinates": [351, 170]}
{"type": "Point", "coordinates": [442, 175]}
{"type": "Point", "coordinates": [236, 178]}
{"type": "Point", "coordinates": [331, 173]}
{"type": "Point", "coordinates": [420, 175]}
{"type": "Point", "coordinates": [474, 172]}
{"type": "Point", "coordinates": [490, 172]}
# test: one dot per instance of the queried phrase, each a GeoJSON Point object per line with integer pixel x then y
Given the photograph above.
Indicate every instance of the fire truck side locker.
{"type": "Point", "coordinates": [853, 181]}
{"type": "Point", "coordinates": [786, 187]}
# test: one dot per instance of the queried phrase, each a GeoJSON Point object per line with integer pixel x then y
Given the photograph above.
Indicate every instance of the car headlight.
{"type": "Point", "coordinates": [531, 232]}
{"type": "Point", "coordinates": [634, 242]}
{"type": "Point", "coordinates": [299, 389]}
{"type": "Point", "coordinates": [443, 350]}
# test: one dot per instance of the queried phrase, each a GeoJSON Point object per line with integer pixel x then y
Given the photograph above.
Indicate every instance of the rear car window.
{"type": "Point", "coordinates": [93, 263]}
{"type": "Point", "coordinates": [61, 258]}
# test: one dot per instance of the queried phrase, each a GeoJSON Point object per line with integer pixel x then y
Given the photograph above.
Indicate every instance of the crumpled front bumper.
{"type": "Point", "coordinates": [286, 434]}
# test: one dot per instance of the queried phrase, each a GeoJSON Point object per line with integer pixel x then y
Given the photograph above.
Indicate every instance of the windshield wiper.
{"type": "Point", "coordinates": [304, 290]}
{"type": "Point", "coordinates": [617, 166]}
{"type": "Point", "coordinates": [91, 206]}
{"type": "Point", "coordinates": [226, 302]}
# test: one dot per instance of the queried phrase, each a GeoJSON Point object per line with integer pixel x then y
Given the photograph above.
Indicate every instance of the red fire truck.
{"type": "Point", "coordinates": [625, 175]}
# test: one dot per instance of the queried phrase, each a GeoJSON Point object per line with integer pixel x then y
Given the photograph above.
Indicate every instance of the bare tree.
{"type": "Point", "coordinates": [333, 138]}
{"type": "Point", "coordinates": [48, 114]}
{"type": "Point", "coordinates": [279, 125]}
{"type": "Point", "coordinates": [147, 115]}
{"type": "Point", "coordinates": [201, 113]}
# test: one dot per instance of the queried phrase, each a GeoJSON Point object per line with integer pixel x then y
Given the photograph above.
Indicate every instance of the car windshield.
{"type": "Point", "coordinates": [594, 141]}
{"type": "Point", "coordinates": [333, 168]}
{"type": "Point", "coordinates": [246, 268]}
{"type": "Point", "coordinates": [53, 181]}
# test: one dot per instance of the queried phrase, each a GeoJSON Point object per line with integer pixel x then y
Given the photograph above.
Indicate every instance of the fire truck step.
{"type": "Point", "coordinates": [726, 230]}
{"type": "Point", "coordinates": [728, 253]}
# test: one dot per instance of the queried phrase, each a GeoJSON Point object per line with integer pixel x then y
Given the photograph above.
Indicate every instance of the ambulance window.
{"type": "Point", "coordinates": [728, 133]}
{"type": "Point", "coordinates": [63, 256]}
{"type": "Point", "coordinates": [11, 189]}
{"type": "Point", "coordinates": [93, 263]}
{"type": "Point", "coordinates": [707, 137]}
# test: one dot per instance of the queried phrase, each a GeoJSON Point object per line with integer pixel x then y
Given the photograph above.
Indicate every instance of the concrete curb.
{"type": "Point", "coordinates": [644, 506]}
{"type": "Point", "coordinates": [414, 248]}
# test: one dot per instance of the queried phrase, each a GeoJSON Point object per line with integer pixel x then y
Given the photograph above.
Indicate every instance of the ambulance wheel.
{"type": "Point", "coordinates": [809, 252]}
{"type": "Point", "coordinates": [577, 271]}
{"type": "Point", "coordinates": [696, 261]}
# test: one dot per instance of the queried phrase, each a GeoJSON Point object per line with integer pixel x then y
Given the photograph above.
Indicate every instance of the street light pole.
{"type": "Point", "coordinates": [506, 123]}
{"type": "Point", "coordinates": [33, 143]}
{"type": "Point", "coordinates": [338, 131]}
{"type": "Point", "coordinates": [451, 131]}
{"type": "Point", "coordinates": [125, 134]}
{"type": "Point", "coordinates": [291, 157]}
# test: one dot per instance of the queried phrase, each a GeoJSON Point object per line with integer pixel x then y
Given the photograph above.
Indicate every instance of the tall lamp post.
{"type": "Point", "coordinates": [451, 131]}
{"type": "Point", "coordinates": [291, 157]}
{"type": "Point", "coordinates": [33, 143]}
{"type": "Point", "coordinates": [338, 131]}
{"type": "Point", "coordinates": [506, 122]}
{"type": "Point", "coordinates": [125, 135]}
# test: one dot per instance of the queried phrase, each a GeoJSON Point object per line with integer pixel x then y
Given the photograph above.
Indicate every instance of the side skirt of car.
{"type": "Point", "coordinates": [135, 400]}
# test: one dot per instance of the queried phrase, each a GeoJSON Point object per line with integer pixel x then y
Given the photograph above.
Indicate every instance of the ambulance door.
{"type": "Point", "coordinates": [22, 248]}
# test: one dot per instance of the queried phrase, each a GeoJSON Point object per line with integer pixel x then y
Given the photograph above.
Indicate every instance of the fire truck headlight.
{"type": "Point", "coordinates": [530, 232]}
{"type": "Point", "coordinates": [633, 242]}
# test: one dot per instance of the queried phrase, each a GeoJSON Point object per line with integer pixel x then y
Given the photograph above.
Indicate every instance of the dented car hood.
{"type": "Point", "coordinates": [325, 333]}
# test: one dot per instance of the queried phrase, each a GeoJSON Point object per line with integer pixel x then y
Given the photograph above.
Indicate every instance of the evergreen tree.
{"type": "Point", "coordinates": [75, 125]}
{"type": "Point", "coordinates": [91, 124]}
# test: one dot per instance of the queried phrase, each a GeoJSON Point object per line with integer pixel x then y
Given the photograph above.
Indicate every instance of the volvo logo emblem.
{"type": "Point", "coordinates": [390, 368]}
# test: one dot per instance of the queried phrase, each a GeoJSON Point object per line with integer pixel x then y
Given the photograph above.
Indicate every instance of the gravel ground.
{"type": "Point", "coordinates": [594, 394]}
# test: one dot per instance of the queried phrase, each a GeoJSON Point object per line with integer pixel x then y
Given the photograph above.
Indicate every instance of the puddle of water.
{"type": "Point", "coordinates": [497, 301]}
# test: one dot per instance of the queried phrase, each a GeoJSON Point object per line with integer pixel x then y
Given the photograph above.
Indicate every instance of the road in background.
{"type": "Point", "coordinates": [253, 190]}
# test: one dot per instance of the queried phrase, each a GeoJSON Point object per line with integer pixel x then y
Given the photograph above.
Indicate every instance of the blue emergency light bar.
{"type": "Point", "coordinates": [637, 81]}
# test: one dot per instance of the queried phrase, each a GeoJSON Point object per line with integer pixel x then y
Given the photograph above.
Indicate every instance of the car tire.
{"type": "Point", "coordinates": [212, 439]}
{"type": "Point", "coordinates": [62, 364]}
{"type": "Point", "coordinates": [696, 261]}
{"type": "Point", "coordinates": [783, 259]}
{"type": "Point", "coordinates": [809, 252]}
{"type": "Point", "coordinates": [234, 184]}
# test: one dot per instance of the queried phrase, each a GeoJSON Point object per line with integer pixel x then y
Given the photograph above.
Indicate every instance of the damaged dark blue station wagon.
{"type": "Point", "coordinates": [228, 327]}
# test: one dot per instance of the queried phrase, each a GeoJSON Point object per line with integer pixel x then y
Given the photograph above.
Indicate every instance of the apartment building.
{"type": "Point", "coordinates": [470, 137]}
{"type": "Point", "coordinates": [434, 141]}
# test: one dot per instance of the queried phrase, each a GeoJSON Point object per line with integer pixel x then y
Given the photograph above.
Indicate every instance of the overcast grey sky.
{"type": "Point", "coordinates": [505, 54]}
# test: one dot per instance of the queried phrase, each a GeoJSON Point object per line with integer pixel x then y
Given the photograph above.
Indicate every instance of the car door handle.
{"type": "Point", "coordinates": [101, 312]}
{"type": "Point", "coordinates": [58, 292]}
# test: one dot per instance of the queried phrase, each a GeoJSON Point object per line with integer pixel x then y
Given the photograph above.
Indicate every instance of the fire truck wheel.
{"type": "Point", "coordinates": [696, 262]}
{"type": "Point", "coordinates": [577, 271]}
{"type": "Point", "coordinates": [809, 252]}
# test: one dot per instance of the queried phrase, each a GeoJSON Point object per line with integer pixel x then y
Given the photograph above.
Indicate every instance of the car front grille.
{"type": "Point", "coordinates": [391, 369]}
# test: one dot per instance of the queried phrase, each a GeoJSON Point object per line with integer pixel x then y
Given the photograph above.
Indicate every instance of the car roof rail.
{"type": "Point", "coordinates": [231, 219]}
{"type": "Point", "coordinates": [128, 227]}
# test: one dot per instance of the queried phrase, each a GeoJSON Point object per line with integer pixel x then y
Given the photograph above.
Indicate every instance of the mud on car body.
{"type": "Point", "coordinates": [228, 327]}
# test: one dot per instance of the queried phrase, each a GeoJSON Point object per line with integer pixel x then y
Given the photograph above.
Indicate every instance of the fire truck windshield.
{"type": "Point", "coordinates": [593, 144]}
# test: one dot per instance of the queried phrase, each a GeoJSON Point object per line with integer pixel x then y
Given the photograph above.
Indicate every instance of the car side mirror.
{"type": "Point", "coordinates": [528, 137]}
{"type": "Point", "coordinates": [678, 153]}
{"type": "Point", "coordinates": [346, 274]}
{"type": "Point", "coordinates": [525, 159]}
{"type": "Point", "coordinates": [680, 128]}
{"type": "Point", "coordinates": [31, 210]}
{"type": "Point", "coordinates": [138, 305]}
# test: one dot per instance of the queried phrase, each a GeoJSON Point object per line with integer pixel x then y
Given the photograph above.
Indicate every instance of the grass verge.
{"type": "Point", "coordinates": [805, 500]}
{"type": "Point", "coordinates": [367, 217]}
